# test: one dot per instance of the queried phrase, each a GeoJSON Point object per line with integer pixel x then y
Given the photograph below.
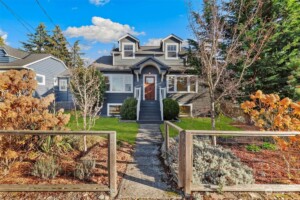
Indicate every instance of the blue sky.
{"type": "Point", "coordinates": [97, 23]}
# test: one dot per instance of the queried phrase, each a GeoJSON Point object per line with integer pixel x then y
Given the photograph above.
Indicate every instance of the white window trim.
{"type": "Point", "coordinates": [128, 43]}
{"type": "Point", "coordinates": [190, 105]}
{"type": "Point", "coordinates": [43, 77]}
{"type": "Point", "coordinates": [59, 85]}
{"type": "Point", "coordinates": [175, 82]}
{"type": "Point", "coordinates": [55, 81]}
{"type": "Point", "coordinates": [112, 104]}
{"type": "Point", "coordinates": [155, 81]}
{"type": "Point", "coordinates": [166, 51]}
{"type": "Point", "coordinates": [109, 77]}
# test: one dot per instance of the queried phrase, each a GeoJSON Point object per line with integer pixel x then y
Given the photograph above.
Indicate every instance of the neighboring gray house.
{"type": "Point", "coordinates": [46, 67]}
{"type": "Point", "coordinates": [150, 74]}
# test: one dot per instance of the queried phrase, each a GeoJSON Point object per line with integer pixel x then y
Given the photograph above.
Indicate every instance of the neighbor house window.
{"type": "Point", "coordinates": [113, 109]}
{"type": "Point", "coordinates": [182, 84]}
{"type": "Point", "coordinates": [116, 83]}
{"type": "Point", "coordinates": [172, 51]}
{"type": "Point", "coordinates": [128, 50]}
{"type": "Point", "coordinates": [63, 84]}
{"type": "Point", "coordinates": [185, 110]}
{"type": "Point", "coordinates": [55, 82]}
{"type": "Point", "coordinates": [41, 79]}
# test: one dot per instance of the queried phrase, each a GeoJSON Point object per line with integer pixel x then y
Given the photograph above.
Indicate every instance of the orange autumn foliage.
{"type": "Point", "coordinates": [20, 110]}
{"type": "Point", "coordinates": [271, 113]}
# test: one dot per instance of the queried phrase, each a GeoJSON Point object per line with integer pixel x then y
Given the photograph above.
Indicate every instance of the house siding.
{"type": "Point", "coordinates": [50, 68]}
{"type": "Point", "coordinates": [4, 58]}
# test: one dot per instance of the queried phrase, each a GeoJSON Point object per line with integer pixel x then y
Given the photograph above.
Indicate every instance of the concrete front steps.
{"type": "Point", "coordinates": [150, 113]}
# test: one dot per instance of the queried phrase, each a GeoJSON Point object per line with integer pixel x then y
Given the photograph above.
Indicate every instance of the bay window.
{"type": "Point", "coordinates": [119, 83]}
{"type": "Point", "coordinates": [182, 84]}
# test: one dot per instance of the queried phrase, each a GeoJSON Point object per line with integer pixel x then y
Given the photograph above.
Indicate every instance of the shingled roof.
{"type": "Point", "coordinates": [14, 52]}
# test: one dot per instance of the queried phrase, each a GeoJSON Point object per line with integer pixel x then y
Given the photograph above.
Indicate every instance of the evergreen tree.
{"type": "Point", "coordinates": [76, 59]}
{"type": "Point", "coordinates": [38, 42]}
{"type": "Point", "coordinates": [278, 69]}
{"type": "Point", "coordinates": [58, 46]}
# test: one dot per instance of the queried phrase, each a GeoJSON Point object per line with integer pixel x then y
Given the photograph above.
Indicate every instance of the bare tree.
{"type": "Point", "coordinates": [87, 87]}
{"type": "Point", "coordinates": [222, 45]}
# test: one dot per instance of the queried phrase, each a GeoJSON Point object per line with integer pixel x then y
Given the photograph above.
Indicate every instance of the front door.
{"type": "Point", "coordinates": [149, 85]}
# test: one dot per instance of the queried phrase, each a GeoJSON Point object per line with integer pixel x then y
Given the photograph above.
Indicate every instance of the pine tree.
{"type": "Point", "coordinates": [58, 46]}
{"type": "Point", "coordinates": [38, 42]}
{"type": "Point", "coordinates": [76, 59]}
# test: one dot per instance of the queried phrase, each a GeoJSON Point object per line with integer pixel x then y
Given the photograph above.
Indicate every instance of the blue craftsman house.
{"type": "Point", "coordinates": [46, 67]}
{"type": "Point", "coordinates": [150, 74]}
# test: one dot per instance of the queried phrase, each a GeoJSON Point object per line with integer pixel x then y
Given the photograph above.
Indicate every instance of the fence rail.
{"type": "Point", "coordinates": [112, 170]}
{"type": "Point", "coordinates": [185, 160]}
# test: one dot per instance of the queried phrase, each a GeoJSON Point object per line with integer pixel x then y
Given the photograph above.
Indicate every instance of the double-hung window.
{"type": "Point", "coordinates": [128, 50]}
{"type": "Point", "coordinates": [171, 51]}
{"type": "Point", "coordinates": [182, 84]}
{"type": "Point", "coordinates": [119, 83]}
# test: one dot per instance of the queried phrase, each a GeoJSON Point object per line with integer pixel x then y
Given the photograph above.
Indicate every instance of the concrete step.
{"type": "Point", "coordinates": [150, 122]}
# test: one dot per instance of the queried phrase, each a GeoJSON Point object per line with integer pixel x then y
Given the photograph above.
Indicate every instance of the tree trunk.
{"type": "Point", "coordinates": [213, 118]}
{"type": "Point", "coordinates": [85, 128]}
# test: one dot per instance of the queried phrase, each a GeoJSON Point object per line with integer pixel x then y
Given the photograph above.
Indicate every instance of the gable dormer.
{"type": "Point", "coordinates": [9, 54]}
{"type": "Point", "coordinates": [128, 46]}
{"type": "Point", "coordinates": [171, 46]}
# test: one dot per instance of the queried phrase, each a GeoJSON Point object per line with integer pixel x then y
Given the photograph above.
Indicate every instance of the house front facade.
{"type": "Point", "coordinates": [150, 74]}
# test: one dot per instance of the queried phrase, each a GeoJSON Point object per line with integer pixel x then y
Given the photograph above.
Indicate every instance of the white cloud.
{"type": "Point", "coordinates": [102, 30]}
{"type": "Point", "coordinates": [4, 35]}
{"type": "Point", "coordinates": [84, 47]}
{"type": "Point", "coordinates": [153, 42]}
{"type": "Point", "coordinates": [185, 43]}
{"type": "Point", "coordinates": [99, 2]}
{"type": "Point", "coordinates": [104, 52]}
{"type": "Point", "coordinates": [87, 60]}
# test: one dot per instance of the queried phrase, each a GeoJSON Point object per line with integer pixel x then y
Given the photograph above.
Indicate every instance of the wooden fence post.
{"type": "Point", "coordinates": [188, 166]}
{"type": "Point", "coordinates": [181, 163]}
{"type": "Point", "coordinates": [167, 134]}
{"type": "Point", "coordinates": [112, 161]}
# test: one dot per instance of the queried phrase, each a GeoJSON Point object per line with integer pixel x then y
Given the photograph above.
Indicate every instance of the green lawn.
{"type": "Point", "coordinates": [125, 131]}
{"type": "Point", "coordinates": [222, 123]}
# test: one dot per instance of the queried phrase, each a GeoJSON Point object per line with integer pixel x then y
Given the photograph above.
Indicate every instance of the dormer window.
{"type": "Point", "coordinates": [171, 51]}
{"type": "Point", "coordinates": [128, 51]}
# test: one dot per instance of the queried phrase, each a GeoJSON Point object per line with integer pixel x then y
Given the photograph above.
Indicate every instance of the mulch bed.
{"type": "Point", "coordinates": [269, 166]}
{"type": "Point", "coordinates": [20, 171]}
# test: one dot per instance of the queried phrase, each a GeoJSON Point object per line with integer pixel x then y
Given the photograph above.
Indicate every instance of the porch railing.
{"type": "Point", "coordinates": [138, 95]}
{"type": "Point", "coordinates": [162, 96]}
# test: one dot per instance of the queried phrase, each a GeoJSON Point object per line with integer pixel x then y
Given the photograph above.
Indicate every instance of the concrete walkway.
{"type": "Point", "coordinates": [145, 177]}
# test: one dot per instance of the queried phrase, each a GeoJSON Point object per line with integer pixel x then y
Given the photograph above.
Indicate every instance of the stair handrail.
{"type": "Point", "coordinates": [162, 96]}
{"type": "Point", "coordinates": [138, 98]}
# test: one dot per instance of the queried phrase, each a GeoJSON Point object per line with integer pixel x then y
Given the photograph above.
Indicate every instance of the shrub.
{"type": "Point", "coordinates": [211, 164]}
{"type": "Point", "coordinates": [46, 168]}
{"type": "Point", "coordinates": [269, 146]}
{"type": "Point", "coordinates": [171, 109]}
{"type": "Point", "coordinates": [128, 109]}
{"type": "Point", "coordinates": [84, 169]}
{"type": "Point", "coordinates": [253, 148]}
